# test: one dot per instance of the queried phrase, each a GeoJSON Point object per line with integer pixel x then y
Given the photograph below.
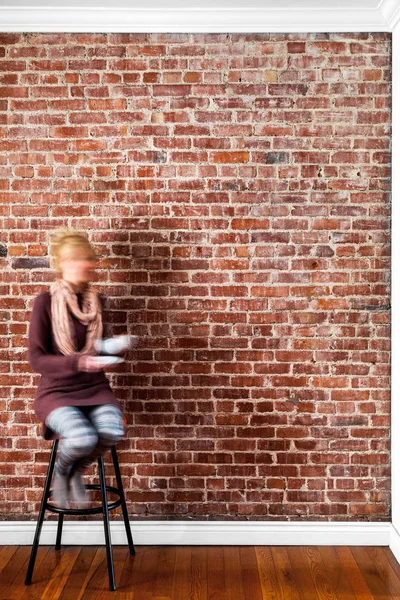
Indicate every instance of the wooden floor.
{"type": "Point", "coordinates": [203, 573]}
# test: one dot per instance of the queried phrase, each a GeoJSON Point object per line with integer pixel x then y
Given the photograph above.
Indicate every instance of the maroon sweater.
{"type": "Point", "coordinates": [61, 383]}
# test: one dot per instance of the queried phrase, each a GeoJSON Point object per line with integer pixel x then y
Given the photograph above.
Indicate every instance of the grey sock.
{"type": "Point", "coordinates": [78, 490]}
{"type": "Point", "coordinates": [60, 491]}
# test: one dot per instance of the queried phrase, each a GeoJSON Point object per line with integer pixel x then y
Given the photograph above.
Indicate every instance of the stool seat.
{"type": "Point", "coordinates": [103, 508]}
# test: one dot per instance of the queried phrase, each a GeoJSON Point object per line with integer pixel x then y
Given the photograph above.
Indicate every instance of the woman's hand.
{"type": "Point", "coordinates": [89, 364]}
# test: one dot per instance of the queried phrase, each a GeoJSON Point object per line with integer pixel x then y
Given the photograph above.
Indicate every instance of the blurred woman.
{"type": "Point", "coordinates": [74, 400]}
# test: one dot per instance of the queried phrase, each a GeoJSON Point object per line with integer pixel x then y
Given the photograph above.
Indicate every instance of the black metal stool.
{"type": "Point", "coordinates": [104, 509]}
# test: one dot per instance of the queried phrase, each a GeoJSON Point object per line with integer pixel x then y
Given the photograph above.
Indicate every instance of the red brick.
{"type": "Point", "coordinates": [296, 47]}
{"type": "Point", "coordinates": [229, 157]}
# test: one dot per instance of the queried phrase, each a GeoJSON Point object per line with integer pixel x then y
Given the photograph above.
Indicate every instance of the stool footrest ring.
{"type": "Point", "coordinates": [95, 510]}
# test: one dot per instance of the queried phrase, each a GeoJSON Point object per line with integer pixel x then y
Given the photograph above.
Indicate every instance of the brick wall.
{"type": "Point", "coordinates": [238, 187]}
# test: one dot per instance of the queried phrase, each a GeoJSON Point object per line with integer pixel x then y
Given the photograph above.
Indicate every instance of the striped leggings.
{"type": "Point", "coordinates": [86, 433]}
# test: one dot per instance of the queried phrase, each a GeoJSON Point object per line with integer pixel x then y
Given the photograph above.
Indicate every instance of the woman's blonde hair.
{"type": "Point", "coordinates": [67, 237]}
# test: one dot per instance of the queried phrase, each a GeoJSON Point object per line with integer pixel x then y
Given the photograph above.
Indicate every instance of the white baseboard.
{"type": "Point", "coordinates": [394, 542]}
{"type": "Point", "coordinates": [199, 533]}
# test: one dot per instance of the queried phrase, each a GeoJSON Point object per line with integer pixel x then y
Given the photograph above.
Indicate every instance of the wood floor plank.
{"type": "Point", "coordinates": [182, 584]}
{"type": "Point", "coordinates": [359, 586]}
{"type": "Point", "coordinates": [119, 557]}
{"type": "Point", "coordinates": [79, 574]}
{"type": "Point", "coordinates": [233, 574]}
{"type": "Point", "coordinates": [96, 577]}
{"type": "Point", "coordinates": [131, 575]}
{"type": "Point", "coordinates": [391, 558]}
{"type": "Point", "coordinates": [250, 575]}
{"type": "Point", "coordinates": [145, 578]}
{"type": "Point", "coordinates": [284, 573]}
{"type": "Point", "coordinates": [370, 573]}
{"type": "Point", "coordinates": [302, 573]}
{"type": "Point", "coordinates": [126, 585]}
{"type": "Point", "coordinates": [43, 562]}
{"type": "Point", "coordinates": [268, 579]}
{"type": "Point", "coordinates": [6, 554]}
{"type": "Point", "coordinates": [14, 566]}
{"type": "Point", "coordinates": [60, 575]}
{"type": "Point", "coordinates": [335, 574]}
{"type": "Point", "coordinates": [215, 573]}
{"type": "Point", "coordinates": [13, 577]}
{"type": "Point", "coordinates": [384, 568]}
{"type": "Point", "coordinates": [199, 581]}
{"type": "Point", "coordinates": [322, 584]}
{"type": "Point", "coordinates": [164, 577]}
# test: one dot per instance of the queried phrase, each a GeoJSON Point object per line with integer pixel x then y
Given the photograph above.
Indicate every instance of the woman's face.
{"type": "Point", "coordinates": [77, 264]}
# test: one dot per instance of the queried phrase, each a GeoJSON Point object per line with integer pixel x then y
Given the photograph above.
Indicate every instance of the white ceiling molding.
{"type": "Point", "coordinates": [198, 15]}
{"type": "Point", "coordinates": [390, 10]}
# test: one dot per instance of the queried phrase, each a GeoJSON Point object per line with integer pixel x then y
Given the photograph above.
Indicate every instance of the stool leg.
{"type": "Point", "coordinates": [106, 520]}
{"type": "Point", "coordinates": [59, 530]}
{"type": "Point", "coordinates": [122, 496]}
{"type": "Point", "coordinates": [42, 511]}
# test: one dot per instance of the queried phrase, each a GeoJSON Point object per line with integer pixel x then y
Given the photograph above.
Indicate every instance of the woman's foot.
{"type": "Point", "coordinates": [60, 491]}
{"type": "Point", "coordinates": [78, 489]}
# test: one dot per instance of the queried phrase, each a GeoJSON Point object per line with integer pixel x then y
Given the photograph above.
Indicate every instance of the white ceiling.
{"type": "Point", "coordinates": [199, 15]}
{"type": "Point", "coordinates": [199, 4]}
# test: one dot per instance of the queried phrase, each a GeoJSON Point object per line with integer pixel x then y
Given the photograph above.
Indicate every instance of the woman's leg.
{"type": "Point", "coordinates": [78, 439]}
{"type": "Point", "coordinates": [108, 422]}
{"type": "Point", "coordinates": [78, 436]}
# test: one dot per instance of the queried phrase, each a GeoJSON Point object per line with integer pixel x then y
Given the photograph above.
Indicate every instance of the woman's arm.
{"type": "Point", "coordinates": [41, 359]}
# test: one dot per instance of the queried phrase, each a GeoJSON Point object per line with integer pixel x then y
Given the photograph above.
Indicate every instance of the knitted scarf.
{"type": "Point", "coordinates": [64, 302]}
